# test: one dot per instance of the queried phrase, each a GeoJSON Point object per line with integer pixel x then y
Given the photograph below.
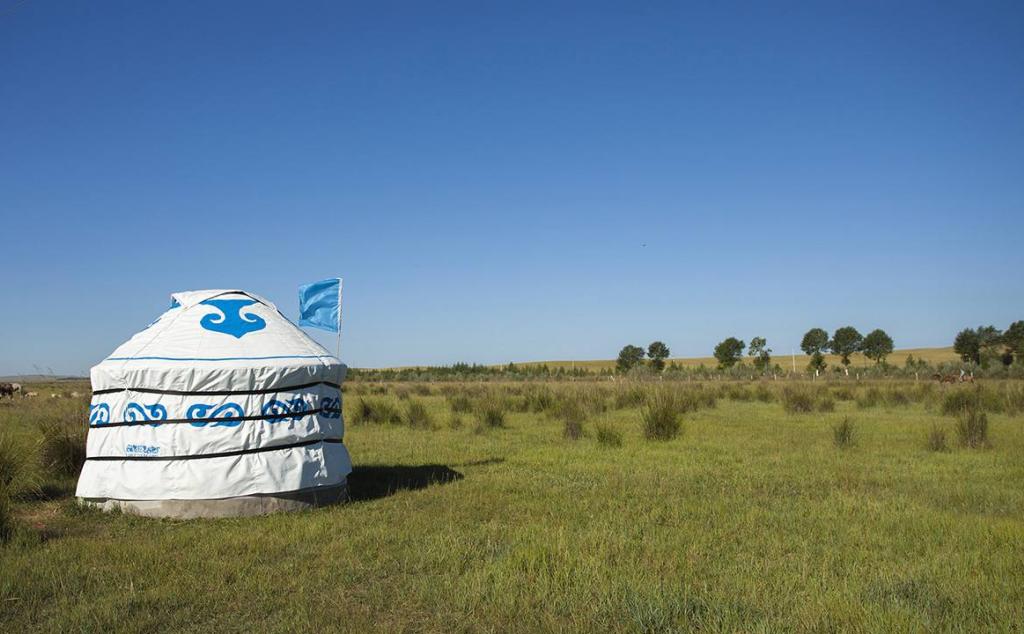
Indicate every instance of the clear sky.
{"type": "Point", "coordinates": [512, 181]}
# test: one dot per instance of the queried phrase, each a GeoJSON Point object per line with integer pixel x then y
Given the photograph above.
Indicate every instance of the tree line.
{"type": "Point", "coordinates": [633, 356]}
{"type": "Point", "coordinates": [877, 345]}
{"type": "Point", "coordinates": [845, 341]}
{"type": "Point", "coordinates": [985, 345]}
{"type": "Point", "coordinates": [981, 346]}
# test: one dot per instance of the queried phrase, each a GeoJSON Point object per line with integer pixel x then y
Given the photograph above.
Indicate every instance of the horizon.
{"type": "Point", "coordinates": [512, 183]}
{"type": "Point", "coordinates": [858, 358]}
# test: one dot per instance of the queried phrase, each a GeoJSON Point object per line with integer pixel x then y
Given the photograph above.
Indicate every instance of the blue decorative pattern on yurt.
{"type": "Point", "coordinates": [230, 319]}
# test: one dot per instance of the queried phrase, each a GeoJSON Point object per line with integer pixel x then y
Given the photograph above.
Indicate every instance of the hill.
{"type": "Point", "coordinates": [787, 361]}
{"type": "Point", "coordinates": [40, 378]}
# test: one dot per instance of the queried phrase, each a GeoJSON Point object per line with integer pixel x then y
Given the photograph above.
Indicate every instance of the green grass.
{"type": "Point", "coordinates": [753, 520]}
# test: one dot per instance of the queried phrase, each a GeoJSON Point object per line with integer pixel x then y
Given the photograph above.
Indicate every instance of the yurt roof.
{"type": "Point", "coordinates": [220, 338]}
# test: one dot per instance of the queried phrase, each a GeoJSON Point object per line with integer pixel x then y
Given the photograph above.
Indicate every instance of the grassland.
{"type": "Point", "coordinates": [751, 519]}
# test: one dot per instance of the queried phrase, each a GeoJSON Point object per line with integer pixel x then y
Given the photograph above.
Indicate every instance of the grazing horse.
{"type": "Point", "coordinates": [6, 389]}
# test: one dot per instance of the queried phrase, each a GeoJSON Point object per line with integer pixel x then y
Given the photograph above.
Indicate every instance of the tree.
{"type": "Point", "coordinates": [990, 343]}
{"type": "Point", "coordinates": [1013, 339]}
{"type": "Point", "coordinates": [845, 342]}
{"type": "Point", "coordinates": [913, 364]}
{"type": "Point", "coordinates": [658, 352]}
{"type": "Point", "coordinates": [761, 352]}
{"type": "Point", "coordinates": [815, 340]}
{"type": "Point", "coordinates": [968, 346]}
{"type": "Point", "coordinates": [629, 358]}
{"type": "Point", "coordinates": [877, 345]}
{"type": "Point", "coordinates": [729, 351]}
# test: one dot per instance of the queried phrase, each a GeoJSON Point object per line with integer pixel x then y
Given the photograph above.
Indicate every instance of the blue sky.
{"type": "Point", "coordinates": [512, 181]}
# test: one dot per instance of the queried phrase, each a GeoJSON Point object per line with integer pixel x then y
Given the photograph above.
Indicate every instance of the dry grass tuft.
{"type": "Point", "coordinates": [936, 440]}
{"type": "Point", "coordinates": [63, 447]}
{"type": "Point", "coordinates": [843, 434]}
{"type": "Point", "coordinates": [660, 416]}
{"type": "Point", "coordinates": [972, 428]}
{"type": "Point", "coordinates": [417, 416]}
{"type": "Point", "coordinates": [608, 436]}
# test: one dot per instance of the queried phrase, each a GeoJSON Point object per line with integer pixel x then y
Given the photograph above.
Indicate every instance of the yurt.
{"type": "Point", "coordinates": [220, 407]}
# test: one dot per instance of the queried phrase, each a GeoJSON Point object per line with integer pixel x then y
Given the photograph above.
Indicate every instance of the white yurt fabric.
{"type": "Point", "coordinates": [220, 397]}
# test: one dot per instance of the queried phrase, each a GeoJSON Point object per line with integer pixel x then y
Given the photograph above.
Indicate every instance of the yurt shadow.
{"type": "Point", "coordinates": [372, 482]}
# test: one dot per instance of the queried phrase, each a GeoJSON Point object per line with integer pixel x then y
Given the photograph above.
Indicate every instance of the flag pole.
{"type": "Point", "coordinates": [338, 346]}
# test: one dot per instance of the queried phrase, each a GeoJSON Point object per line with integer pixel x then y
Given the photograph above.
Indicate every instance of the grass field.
{"type": "Point", "coordinates": [751, 519]}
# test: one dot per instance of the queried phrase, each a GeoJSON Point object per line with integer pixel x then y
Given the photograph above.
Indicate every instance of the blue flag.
{"type": "Point", "coordinates": [320, 304]}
